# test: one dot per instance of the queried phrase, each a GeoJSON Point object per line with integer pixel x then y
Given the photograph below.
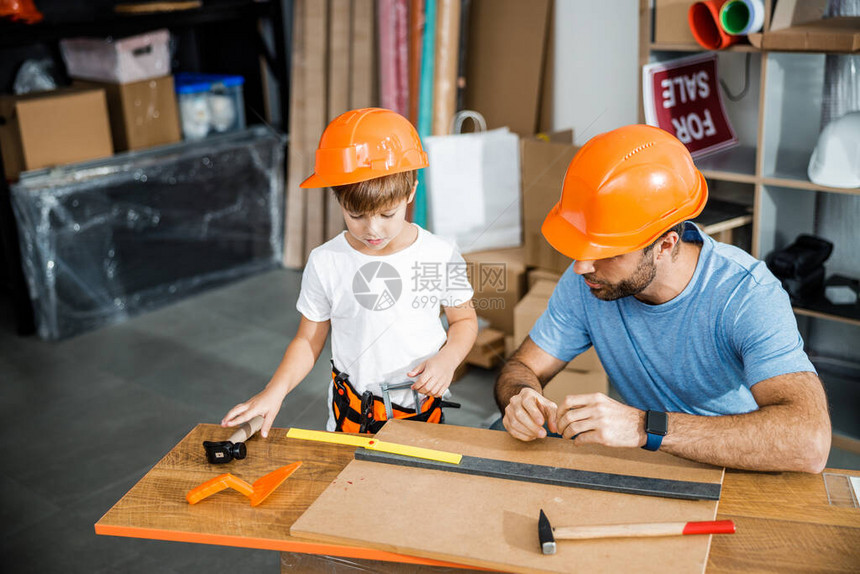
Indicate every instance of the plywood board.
{"type": "Point", "coordinates": [297, 161]}
{"type": "Point", "coordinates": [363, 72]}
{"type": "Point", "coordinates": [340, 22]}
{"type": "Point", "coordinates": [492, 522]}
{"type": "Point", "coordinates": [316, 86]}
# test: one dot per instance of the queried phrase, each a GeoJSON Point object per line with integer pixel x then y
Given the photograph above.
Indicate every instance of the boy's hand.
{"type": "Point", "coordinates": [434, 375]}
{"type": "Point", "coordinates": [266, 403]}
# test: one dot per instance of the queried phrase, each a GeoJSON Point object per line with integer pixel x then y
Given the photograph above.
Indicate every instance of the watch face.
{"type": "Point", "coordinates": [656, 422]}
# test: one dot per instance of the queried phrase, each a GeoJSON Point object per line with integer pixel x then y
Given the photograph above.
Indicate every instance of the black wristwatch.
{"type": "Point", "coordinates": [656, 427]}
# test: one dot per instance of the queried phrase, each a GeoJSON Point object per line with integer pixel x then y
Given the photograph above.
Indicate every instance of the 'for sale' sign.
{"type": "Point", "coordinates": [683, 98]}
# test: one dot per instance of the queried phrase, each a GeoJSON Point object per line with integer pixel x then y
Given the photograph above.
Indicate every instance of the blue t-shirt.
{"type": "Point", "coordinates": [701, 352]}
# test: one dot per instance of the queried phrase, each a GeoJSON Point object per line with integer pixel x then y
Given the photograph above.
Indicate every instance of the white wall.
{"type": "Point", "coordinates": [596, 64]}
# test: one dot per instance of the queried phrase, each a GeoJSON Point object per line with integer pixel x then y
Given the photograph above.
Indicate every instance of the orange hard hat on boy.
{"type": "Point", "coordinates": [623, 190]}
{"type": "Point", "coordinates": [365, 144]}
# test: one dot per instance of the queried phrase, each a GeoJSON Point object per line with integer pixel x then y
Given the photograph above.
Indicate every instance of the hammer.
{"type": "Point", "coordinates": [234, 447]}
{"type": "Point", "coordinates": [547, 534]}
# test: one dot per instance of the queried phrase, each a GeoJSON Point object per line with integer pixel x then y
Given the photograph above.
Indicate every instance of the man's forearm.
{"type": "Point", "coordinates": [514, 377]}
{"type": "Point", "coordinates": [774, 437]}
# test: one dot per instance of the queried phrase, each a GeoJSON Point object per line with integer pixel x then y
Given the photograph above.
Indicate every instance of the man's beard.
{"type": "Point", "coordinates": [633, 285]}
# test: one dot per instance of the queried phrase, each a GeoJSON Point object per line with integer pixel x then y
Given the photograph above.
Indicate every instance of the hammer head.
{"type": "Point", "coordinates": [547, 540]}
{"type": "Point", "coordinates": [224, 451]}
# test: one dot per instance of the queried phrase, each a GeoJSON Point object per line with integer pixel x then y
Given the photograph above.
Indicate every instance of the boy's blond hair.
{"type": "Point", "coordinates": [377, 194]}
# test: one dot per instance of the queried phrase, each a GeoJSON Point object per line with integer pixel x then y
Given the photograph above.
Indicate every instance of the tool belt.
{"type": "Point", "coordinates": [365, 413]}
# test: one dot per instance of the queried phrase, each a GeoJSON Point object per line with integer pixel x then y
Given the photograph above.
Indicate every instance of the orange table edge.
{"type": "Point", "coordinates": [270, 544]}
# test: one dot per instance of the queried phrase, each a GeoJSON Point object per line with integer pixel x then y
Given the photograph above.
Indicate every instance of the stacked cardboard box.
{"type": "Point", "coordinates": [489, 349]}
{"type": "Point", "coordinates": [502, 277]}
{"type": "Point", "coordinates": [142, 114]}
{"type": "Point", "coordinates": [543, 167]}
{"type": "Point", "coordinates": [134, 74]}
{"type": "Point", "coordinates": [53, 128]}
{"type": "Point", "coordinates": [498, 278]}
{"type": "Point", "coordinates": [535, 275]}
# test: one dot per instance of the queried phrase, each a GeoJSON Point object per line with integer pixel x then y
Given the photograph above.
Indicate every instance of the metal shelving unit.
{"type": "Point", "coordinates": [770, 162]}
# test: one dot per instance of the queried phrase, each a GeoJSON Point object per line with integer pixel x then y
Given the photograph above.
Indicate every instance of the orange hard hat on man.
{"type": "Point", "coordinates": [623, 190]}
{"type": "Point", "coordinates": [365, 144]}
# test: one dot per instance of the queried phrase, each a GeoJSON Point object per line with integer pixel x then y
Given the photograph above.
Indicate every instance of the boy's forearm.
{"type": "Point", "coordinates": [299, 359]}
{"type": "Point", "coordinates": [461, 337]}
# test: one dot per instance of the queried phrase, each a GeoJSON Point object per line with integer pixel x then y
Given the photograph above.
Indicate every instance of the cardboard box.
{"type": "Point", "coordinates": [142, 114]}
{"type": "Point", "coordinates": [570, 382]}
{"type": "Point", "coordinates": [535, 275]}
{"type": "Point", "coordinates": [527, 312]}
{"type": "Point", "coordinates": [543, 167]}
{"type": "Point", "coordinates": [530, 308]}
{"type": "Point", "coordinates": [498, 278]}
{"type": "Point", "coordinates": [130, 59]}
{"type": "Point", "coordinates": [53, 128]}
{"type": "Point", "coordinates": [841, 34]}
{"type": "Point", "coordinates": [460, 371]}
{"type": "Point", "coordinates": [788, 13]}
{"type": "Point", "coordinates": [671, 25]}
{"type": "Point", "coordinates": [800, 25]}
{"type": "Point", "coordinates": [489, 349]}
{"type": "Point", "coordinates": [509, 346]}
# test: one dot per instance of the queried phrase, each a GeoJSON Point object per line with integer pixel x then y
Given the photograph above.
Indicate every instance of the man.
{"type": "Point", "coordinates": [698, 337]}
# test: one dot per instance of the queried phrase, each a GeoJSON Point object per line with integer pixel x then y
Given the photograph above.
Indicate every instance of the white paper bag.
{"type": "Point", "coordinates": [473, 189]}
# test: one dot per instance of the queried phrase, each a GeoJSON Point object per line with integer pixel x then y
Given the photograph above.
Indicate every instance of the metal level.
{"type": "Point", "coordinates": [682, 489]}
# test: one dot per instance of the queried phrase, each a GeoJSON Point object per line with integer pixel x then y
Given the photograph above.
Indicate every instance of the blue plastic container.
{"type": "Point", "coordinates": [209, 103]}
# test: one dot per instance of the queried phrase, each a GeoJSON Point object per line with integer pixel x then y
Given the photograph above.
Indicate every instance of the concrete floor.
{"type": "Point", "coordinates": [84, 419]}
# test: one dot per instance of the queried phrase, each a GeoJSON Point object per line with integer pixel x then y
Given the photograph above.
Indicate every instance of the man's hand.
{"type": "Point", "coordinates": [597, 419]}
{"type": "Point", "coordinates": [526, 414]}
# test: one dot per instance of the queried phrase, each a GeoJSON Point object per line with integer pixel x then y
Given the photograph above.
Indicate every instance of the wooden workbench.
{"type": "Point", "coordinates": [784, 521]}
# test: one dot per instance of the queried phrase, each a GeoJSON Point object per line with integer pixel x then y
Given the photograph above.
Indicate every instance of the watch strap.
{"type": "Point", "coordinates": [653, 442]}
{"type": "Point", "coordinates": [656, 427]}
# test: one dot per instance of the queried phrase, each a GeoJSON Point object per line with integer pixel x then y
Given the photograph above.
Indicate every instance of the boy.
{"type": "Point", "coordinates": [378, 285]}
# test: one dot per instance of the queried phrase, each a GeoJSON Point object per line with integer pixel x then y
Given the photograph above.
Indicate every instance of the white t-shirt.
{"type": "Point", "coordinates": [384, 310]}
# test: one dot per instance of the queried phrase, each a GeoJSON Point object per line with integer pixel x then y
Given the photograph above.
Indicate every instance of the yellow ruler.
{"type": "Point", "coordinates": [373, 444]}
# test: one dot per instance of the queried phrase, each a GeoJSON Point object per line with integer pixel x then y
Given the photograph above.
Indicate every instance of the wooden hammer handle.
{"type": "Point", "coordinates": [643, 530]}
{"type": "Point", "coordinates": [247, 429]}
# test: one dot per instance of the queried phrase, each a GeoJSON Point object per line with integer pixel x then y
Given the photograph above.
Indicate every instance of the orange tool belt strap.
{"type": "Point", "coordinates": [365, 413]}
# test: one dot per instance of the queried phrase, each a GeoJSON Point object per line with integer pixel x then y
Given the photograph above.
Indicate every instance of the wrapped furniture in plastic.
{"type": "Point", "coordinates": [105, 240]}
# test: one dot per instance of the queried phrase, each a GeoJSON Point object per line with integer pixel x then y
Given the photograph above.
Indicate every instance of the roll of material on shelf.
{"type": "Point", "coordinates": [416, 41]}
{"type": "Point", "coordinates": [425, 101]}
{"type": "Point", "coordinates": [741, 17]}
{"type": "Point", "coordinates": [447, 52]}
{"type": "Point", "coordinates": [387, 53]}
{"type": "Point", "coordinates": [704, 20]}
{"type": "Point", "coordinates": [393, 35]}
